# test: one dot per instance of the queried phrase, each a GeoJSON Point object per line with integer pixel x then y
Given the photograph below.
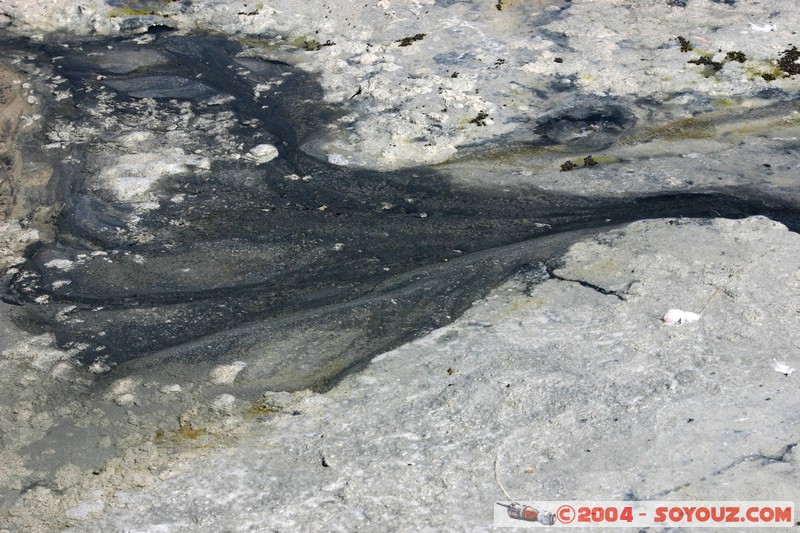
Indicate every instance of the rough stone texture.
{"type": "Point", "coordinates": [415, 76]}
{"type": "Point", "coordinates": [557, 390]}
{"type": "Point", "coordinates": [563, 383]}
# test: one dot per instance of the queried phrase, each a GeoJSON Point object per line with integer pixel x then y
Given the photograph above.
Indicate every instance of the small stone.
{"type": "Point", "coordinates": [125, 400]}
{"type": "Point", "coordinates": [262, 153]}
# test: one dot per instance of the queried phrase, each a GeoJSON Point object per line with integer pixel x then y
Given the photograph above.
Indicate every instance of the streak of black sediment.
{"type": "Point", "coordinates": [480, 223]}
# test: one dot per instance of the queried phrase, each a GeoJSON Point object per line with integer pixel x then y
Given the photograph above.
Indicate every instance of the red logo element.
{"type": "Point", "coordinates": [565, 514]}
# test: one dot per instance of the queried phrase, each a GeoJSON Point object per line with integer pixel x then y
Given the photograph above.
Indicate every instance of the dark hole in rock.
{"type": "Point", "coordinates": [586, 126]}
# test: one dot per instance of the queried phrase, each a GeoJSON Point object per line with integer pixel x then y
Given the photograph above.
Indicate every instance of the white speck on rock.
{"type": "Point", "coordinates": [676, 317]}
{"type": "Point", "coordinates": [766, 28]}
{"type": "Point", "coordinates": [61, 264]}
{"type": "Point", "coordinates": [783, 368]}
{"type": "Point", "coordinates": [170, 389]}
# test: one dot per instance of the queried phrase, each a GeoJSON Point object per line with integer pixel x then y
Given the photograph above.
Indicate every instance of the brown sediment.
{"type": "Point", "coordinates": [12, 106]}
{"type": "Point", "coordinates": [24, 180]}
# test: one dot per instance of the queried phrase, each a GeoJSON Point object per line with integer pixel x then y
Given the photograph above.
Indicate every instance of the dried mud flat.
{"type": "Point", "coordinates": [191, 344]}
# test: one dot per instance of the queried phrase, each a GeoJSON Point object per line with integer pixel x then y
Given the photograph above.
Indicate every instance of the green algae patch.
{"type": "Point", "coordinates": [699, 127]}
{"type": "Point", "coordinates": [124, 12]}
{"type": "Point", "coordinates": [139, 8]}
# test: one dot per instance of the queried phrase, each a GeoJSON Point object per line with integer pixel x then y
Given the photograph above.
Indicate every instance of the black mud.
{"type": "Point", "coordinates": [299, 267]}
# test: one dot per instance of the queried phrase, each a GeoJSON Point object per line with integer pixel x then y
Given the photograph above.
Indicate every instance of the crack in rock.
{"type": "Point", "coordinates": [780, 457]}
{"type": "Point", "coordinates": [607, 292]}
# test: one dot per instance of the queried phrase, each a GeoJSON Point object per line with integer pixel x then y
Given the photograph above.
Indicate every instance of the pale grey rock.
{"type": "Point", "coordinates": [162, 87]}
{"type": "Point", "coordinates": [558, 390]}
{"type": "Point", "coordinates": [414, 100]}
{"type": "Point", "coordinates": [13, 240]}
{"type": "Point", "coordinates": [226, 374]}
{"type": "Point", "coordinates": [262, 153]}
{"type": "Point", "coordinates": [564, 382]}
{"type": "Point", "coordinates": [87, 509]}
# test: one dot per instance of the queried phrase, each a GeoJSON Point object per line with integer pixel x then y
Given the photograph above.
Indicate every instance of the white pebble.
{"type": "Point", "coordinates": [61, 264]}
{"type": "Point", "coordinates": [262, 153]}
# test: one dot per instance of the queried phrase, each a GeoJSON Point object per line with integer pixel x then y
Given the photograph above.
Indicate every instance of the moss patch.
{"type": "Point", "coordinates": [480, 119]}
{"type": "Point", "coordinates": [568, 165]}
{"type": "Point", "coordinates": [736, 56]}
{"type": "Point", "coordinates": [785, 66]}
{"type": "Point", "coordinates": [588, 161]}
{"type": "Point", "coordinates": [788, 61]}
{"type": "Point", "coordinates": [312, 45]}
{"type": "Point", "coordinates": [711, 65]}
{"type": "Point", "coordinates": [408, 41]}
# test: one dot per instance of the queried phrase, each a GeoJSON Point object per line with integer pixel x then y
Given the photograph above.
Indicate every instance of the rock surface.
{"type": "Point", "coordinates": [424, 81]}
{"type": "Point", "coordinates": [143, 139]}
{"type": "Point", "coordinates": [557, 390]}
